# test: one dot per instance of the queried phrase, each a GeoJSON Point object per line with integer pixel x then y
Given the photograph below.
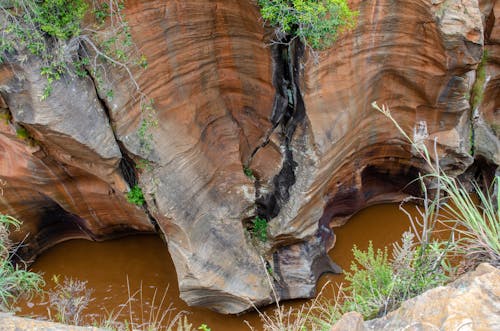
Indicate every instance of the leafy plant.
{"type": "Point", "coordinates": [110, 94]}
{"type": "Point", "coordinates": [379, 285]}
{"type": "Point", "coordinates": [259, 228]}
{"type": "Point", "coordinates": [143, 164]}
{"type": "Point", "coordinates": [316, 23]}
{"type": "Point", "coordinates": [59, 18]}
{"type": "Point", "coordinates": [148, 122]}
{"type": "Point", "coordinates": [5, 116]}
{"type": "Point", "coordinates": [248, 172]}
{"type": "Point", "coordinates": [136, 196]}
{"type": "Point", "coordinates": [101, 12]}
{"type": "Point", "coordinates": [15, 280]}
{"type": "Point", "coordinates": [371, 283]}
{"type": "Point", "coordinates": [22, 133]}
{"type": "Point", "coordinates": [204, 327]}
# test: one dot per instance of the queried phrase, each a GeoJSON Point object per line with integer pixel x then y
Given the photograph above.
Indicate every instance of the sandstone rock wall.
{"type": "Point", "coordinates": [217, 87]}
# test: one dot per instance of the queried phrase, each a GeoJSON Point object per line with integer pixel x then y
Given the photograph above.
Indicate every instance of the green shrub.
{"type": "Point", "coordinates": [248, 172]}
{"type": "Point", "coordinates": [379, 285]}
{"type": "Point", "coordinates": [59, 18]}
{"type": "Point", "coordinates": [15, 281]}
{"type": "Point", "coordinates": [22, 133]}
{"type": "Point", "coordinates": [371, 283]}
{"type": "Point", "coordinates": [259, 228]}
{"type": "Point", "coordinates": [44, 28]}
{"type": "Point", "coordinates": [136, 196]}
{"type": "Point", "coordinates": [316, 22]}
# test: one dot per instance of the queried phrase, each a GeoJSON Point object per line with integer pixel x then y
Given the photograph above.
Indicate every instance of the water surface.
{"type": "Point", "coordinates": [146, 263]}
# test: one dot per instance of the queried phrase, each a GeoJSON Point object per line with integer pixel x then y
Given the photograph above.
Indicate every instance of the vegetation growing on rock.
{"type": "Point", "coordinates": [259, 228]}
{"type": "Point", "coordinates": [478, 87]}
{"type": "Point", "coordinates": [15, 280]}
{"type": "Point", "coordinates": [379, 283]}
{"type": "Point", "coordinates": [54, 32]}
{"type": "Point", "coordinates": [136, 196]}
{"type": "Point", "coordinates": [315, 23]}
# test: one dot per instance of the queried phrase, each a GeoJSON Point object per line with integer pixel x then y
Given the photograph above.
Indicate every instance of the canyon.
{"type": "Point", "coordinates": [226, 102]}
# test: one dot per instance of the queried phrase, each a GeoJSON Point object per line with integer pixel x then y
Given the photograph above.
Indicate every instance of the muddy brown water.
{"type": "Point", "coordinates": [145, 261]}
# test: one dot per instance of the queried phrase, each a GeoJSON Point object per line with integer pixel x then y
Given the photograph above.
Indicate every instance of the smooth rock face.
{"type": "Point", "coordinates": [216, 89]}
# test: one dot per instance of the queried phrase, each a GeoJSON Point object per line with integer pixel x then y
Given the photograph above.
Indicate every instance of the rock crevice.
{"type": "Point", "coordinates": [287, 112]}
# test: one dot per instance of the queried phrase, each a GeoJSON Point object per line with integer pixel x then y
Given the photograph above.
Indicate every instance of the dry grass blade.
{"type": "Point", "coordinates": [319, 314]}
{"type": "Point", "coordinates": [156, 315]}
{"type": "Point", "coordinates": [477, 223]}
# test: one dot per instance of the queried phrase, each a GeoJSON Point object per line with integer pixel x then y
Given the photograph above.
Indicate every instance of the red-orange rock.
{"type": "Point", "coordinates": [214, 80]}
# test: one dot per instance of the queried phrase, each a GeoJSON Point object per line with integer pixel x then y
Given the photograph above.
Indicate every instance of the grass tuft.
{"type": "Point", "coordinates": [15, 280]}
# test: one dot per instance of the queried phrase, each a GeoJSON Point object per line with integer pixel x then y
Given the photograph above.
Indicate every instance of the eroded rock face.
{"type": "Point", "coordinates": [60, 165]}
{"type": "Point", "coordinates": [225, 101]}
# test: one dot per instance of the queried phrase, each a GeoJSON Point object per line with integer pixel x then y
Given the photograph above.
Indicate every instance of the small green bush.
{"type": "Point", "coordinates": [371, 282]}
{"type": "Point", "coordinates": [136, 196]}
{"type": "Point", "coordinates": [54, 31]}
{"type": "Point", "coordinates": [22, 133]}
{"type": "Point", "coordinates": [59, 18]}
{"type": "Point", "coordinates": [379, 284]}
{"type": "Point", "coordinates": [259, 228]}
{"type": "Point", "coordinates": [316, 22]}
{"type": "Point", "coordinates": [248, 172]}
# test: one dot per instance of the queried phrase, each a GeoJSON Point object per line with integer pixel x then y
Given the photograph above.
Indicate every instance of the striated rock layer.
{"type": "Point", "coordinates": [226, 101]}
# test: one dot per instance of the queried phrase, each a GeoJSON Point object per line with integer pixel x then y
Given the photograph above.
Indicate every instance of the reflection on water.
{"type": "Point", "coordinates": [145, 261]}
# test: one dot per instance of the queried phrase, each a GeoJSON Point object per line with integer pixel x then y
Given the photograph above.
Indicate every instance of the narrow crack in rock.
{"type": "Point", "coordinates": [288, 111]}
{"type": "Point", "coordinates": [127, 165]}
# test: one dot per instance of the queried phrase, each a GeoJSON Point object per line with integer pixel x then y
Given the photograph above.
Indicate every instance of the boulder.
{"type": "Point", "coordinates": [14, 323]}
{"type": "Point", "coordinates": [472, 302]}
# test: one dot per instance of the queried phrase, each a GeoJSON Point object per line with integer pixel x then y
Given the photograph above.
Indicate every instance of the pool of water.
{"type": "Point", "coordinates": [117, 269]}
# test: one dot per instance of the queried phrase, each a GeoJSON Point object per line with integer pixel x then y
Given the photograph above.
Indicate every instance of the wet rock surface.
{"type": "Point", "coordinates": [217, 86]}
